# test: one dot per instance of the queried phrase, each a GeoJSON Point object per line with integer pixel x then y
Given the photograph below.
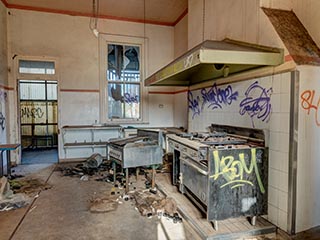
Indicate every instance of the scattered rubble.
{"type": "Point", "coordinates": [102, 205]}
{"type": "Point", "coordinates": [28, 185]}
{"type": "Point", "coordinates": [9, 200]}
{"type": "Point", "coordinates": [149, 204]}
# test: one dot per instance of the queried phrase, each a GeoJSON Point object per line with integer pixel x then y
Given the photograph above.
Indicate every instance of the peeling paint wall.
{"type": "Point", "coordinates": [72, 43]}
{"type": "Point", "coordinates": [181, 37]}
{"type": "Point", "coordinates": [241, 20]}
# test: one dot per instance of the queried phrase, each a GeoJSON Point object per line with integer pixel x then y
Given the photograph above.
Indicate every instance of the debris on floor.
{"type": "Point", "coordinates": [9, 200]}
{"type": "Point", "coordinates": [28, 185]}
{"type": "Point", "coordinates": [150, 204]}
{"type": "Point", "coordinates": [102, 205]}
{"type": "Point", "coordinates": [93, 167]}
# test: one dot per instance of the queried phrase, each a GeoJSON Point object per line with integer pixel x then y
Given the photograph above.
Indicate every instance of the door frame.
{"type": "Point", "coordinates": [41, 77]}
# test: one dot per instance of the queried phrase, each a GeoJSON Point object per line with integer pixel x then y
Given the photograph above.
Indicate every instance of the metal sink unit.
{"type": "Point", "coordinates": [224, 175]}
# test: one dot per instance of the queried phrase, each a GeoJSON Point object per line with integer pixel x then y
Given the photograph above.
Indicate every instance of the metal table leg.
{"type": "Point", "coordinates": [153, 184]}
{"type": "Point", "coordinates": [1, 163]}
{"type": "Point", "coordinates": [127, 180]}
{"type": "Point", "coordinates": [114, 171]}
{"type": "Point", "coordinates": [8, 163]}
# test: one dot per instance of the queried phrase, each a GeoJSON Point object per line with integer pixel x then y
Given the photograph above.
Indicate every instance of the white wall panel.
{"type": "Point", "coordinates": [227, 112]}
{"type": "Point", "coordinates": [308, 178]}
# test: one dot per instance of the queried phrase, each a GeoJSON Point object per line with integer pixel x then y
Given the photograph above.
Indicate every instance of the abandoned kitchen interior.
{"type": "Point", "coordinates": [171, 119]}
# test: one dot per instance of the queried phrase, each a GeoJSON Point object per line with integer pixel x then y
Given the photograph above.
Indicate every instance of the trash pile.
{"type": "Point", "coordinates": [9, 200]}
{"type": "Point", "coordinates": [150, 204]}
{"type": "Point", "coordinates": [93, 168]}
{"type": "Point", "coordinates": [18, 192]}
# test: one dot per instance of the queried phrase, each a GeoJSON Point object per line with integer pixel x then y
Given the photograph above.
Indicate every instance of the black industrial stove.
{"type": "Point", "coordinates": [224, 171]}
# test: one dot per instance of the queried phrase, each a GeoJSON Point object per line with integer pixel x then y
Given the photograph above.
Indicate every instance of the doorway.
{"type": "Point", "coordinates": [38, 121]}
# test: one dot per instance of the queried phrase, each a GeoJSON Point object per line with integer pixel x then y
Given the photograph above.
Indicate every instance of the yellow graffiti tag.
{"type": "Point", "coordinates": [232, 170]}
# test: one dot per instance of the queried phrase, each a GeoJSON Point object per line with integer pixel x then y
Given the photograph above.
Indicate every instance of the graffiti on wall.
{"type": "Point", "coordinates": [3, 100]}
{"type": "Point", "coordinates": [31, 112]}
{"type": "Point", "coordinates": [257, 103]}
{"type": "Point", "coordinates": [211, 98]}
{"type": "Point", "coordinates": [311, 104]}
{"type": "Point", "coordinates": [238, 169]}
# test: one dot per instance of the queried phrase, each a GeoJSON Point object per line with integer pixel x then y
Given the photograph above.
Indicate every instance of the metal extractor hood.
{"type": "Point", "coordinates": [215, 59]}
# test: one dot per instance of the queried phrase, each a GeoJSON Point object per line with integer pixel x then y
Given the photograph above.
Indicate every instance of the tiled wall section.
{"type": "Point", "coordinates": [276, 129]}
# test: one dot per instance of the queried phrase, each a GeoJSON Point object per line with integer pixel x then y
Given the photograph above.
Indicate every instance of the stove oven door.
{"type": "Point", "coordinates": [237, 183]}
{"type": "Point", "coordinates": [193, 178]}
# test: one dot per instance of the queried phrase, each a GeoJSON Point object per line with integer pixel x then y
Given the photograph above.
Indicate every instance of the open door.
{"type": "Point", "coordinates": [39, 121]}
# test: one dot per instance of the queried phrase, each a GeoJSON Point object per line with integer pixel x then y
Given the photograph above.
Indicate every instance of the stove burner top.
{"type": "Point", "coordinates": [223, 141]}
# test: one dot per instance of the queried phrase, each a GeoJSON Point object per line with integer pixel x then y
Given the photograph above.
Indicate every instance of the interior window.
{"type": "Point", "coordinates": [123, 81]}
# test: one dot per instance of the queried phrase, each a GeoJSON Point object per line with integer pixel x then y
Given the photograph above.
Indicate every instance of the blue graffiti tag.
{"type": "Point", "coordinates": [215, 96]}
{"type": "Point", "coordinates": [257, 102]}
{"type": "Point", "coordinates": [131, 99]}
{"type": "Point", "coordinates": [193, 104]}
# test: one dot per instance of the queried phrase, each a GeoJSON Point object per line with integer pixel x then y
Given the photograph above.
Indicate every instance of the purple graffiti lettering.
{"type": "Point", "coordinates": [256, 103]}
{"type": "Point", "coordinates": [2, 121]}
{"type": "Point", "coordinates": [131, 99]}
{"type": "Point", "coordinates": [216, 97]}
{"type": "Point", "coordinates": [193, 104]}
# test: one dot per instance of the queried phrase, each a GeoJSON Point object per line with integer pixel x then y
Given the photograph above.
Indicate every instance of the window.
{"type": "Point", "coordinates": [36, 67]}
{"type": "Point", "coordinates": [123, 81]}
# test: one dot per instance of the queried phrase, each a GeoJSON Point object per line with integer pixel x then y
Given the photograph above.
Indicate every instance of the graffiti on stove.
{"type": "Point", "coordinates": [31, 112]}
{"type": "Point", "coordinates": [211, 98]}
{"type": "Point", "coordinates": [309, 102]}
{"type": "Point", "coordinates": [257, 103]}
{"type": "Point", "coordinates": [238, 169]}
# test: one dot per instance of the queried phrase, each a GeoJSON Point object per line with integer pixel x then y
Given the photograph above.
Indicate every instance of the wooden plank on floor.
{"type": "Point", "coordinates": [228, 229]}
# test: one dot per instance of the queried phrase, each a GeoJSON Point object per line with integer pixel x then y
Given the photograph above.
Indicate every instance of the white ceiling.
{"type": "Point", "coordinates": [165, 12]}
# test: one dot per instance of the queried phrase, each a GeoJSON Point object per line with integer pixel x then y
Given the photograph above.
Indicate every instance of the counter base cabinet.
{"type": "Point", "coordinates": [81, 142]}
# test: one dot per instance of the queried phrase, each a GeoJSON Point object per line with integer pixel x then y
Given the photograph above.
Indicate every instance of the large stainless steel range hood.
{"type": "Point", "coordinates": [214, 59]}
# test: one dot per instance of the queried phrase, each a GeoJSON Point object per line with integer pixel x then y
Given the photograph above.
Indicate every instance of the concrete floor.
{"type": "Point", "coordinates": [62, 213]}
{"type": "Point", "coordinates": [39, 156]}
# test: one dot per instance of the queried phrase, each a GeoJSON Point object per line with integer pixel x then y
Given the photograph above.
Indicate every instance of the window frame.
{"type": "Point", "coordinates": [104, 40]}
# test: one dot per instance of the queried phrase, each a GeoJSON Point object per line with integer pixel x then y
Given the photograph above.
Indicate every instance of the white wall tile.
{"type": "Point", "coordinates": [274, 141]}
{"type": "Point", "coordinates": [284, 162]}
{"type": "Point", "coordinates": [282, 220]}
{"type": "Point", "coordinates": [283, 181]}
{"type": "Point", "coordinates": [283, 201]}
{"type": "Point", "coordinates": [275, 122]}
{"type": "Point", "coordinates": [285, 102]}
{"type": "Point", "coordinates": [275, 159]}
{"type": "Point", "coordinates": [284, 142]}
{"type": "Point", "coordinates": [285, 82]}
{"type": "Point", "coordinates": [273, 196]}
{"type": "Point", "coordinates": [273, 214]}
{"type": "Point", "coordinates": [276, 83]}
{"type": "Point", "coordinates": [284, 122]}
{"type": "Point", "coordinates": [274, 178]}
{"type": "Point", "coordinates": [275, 103]}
